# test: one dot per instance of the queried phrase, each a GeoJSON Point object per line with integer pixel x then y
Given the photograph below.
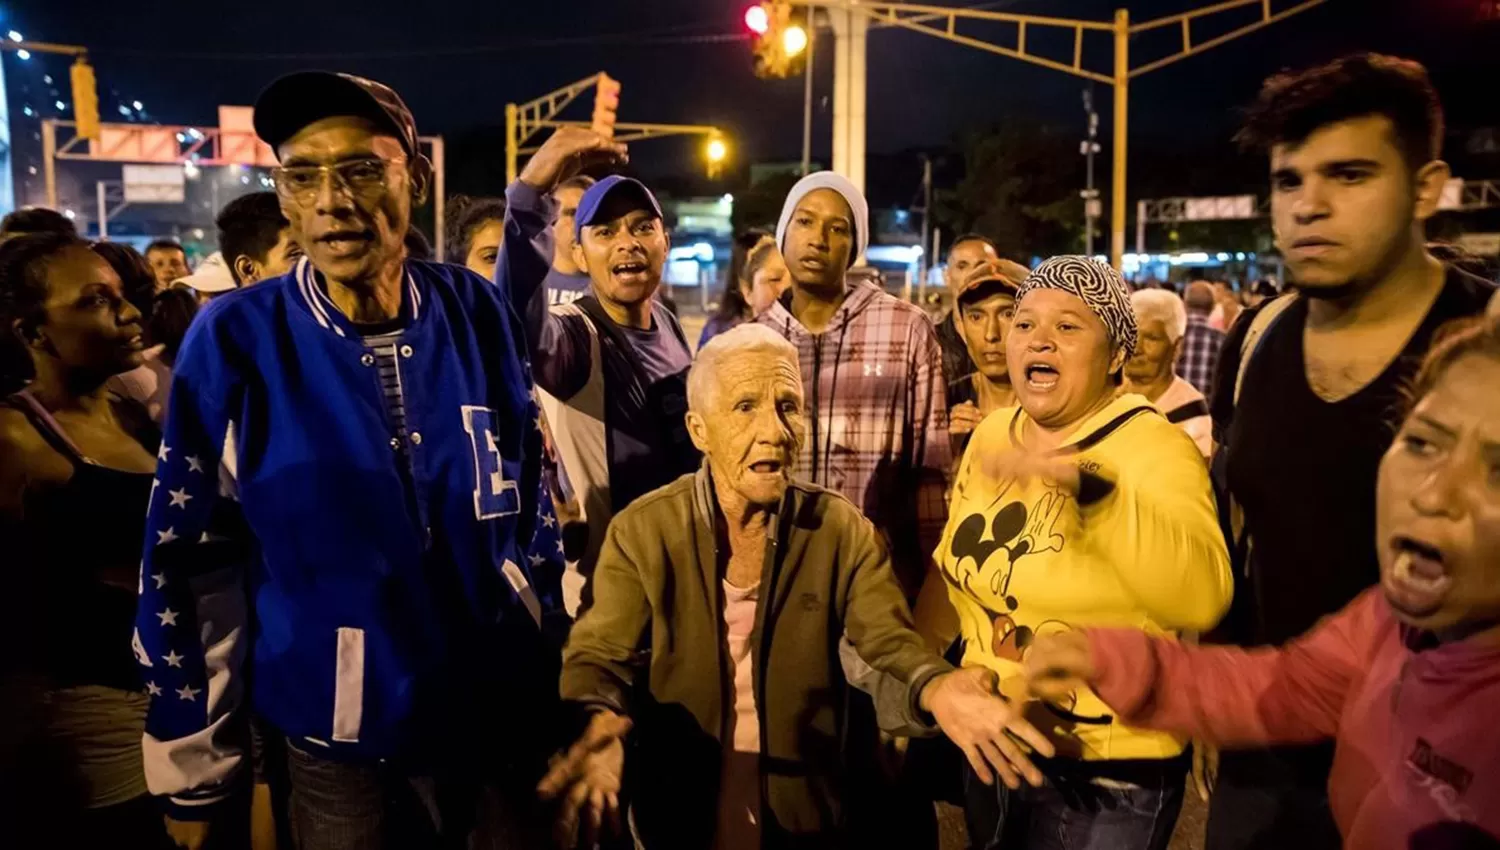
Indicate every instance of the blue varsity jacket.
{"type": "Point", "coordinates": [296, 541]}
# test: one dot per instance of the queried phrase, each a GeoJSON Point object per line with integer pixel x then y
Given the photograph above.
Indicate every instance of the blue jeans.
{"type": "Point", "coordinates": [1136, 809]}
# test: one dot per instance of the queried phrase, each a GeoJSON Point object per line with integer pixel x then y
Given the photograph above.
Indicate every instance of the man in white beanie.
{"type": "Point", "coordinates": [875, 406]}
{"type": "Point", "coordinates": [872, 374]}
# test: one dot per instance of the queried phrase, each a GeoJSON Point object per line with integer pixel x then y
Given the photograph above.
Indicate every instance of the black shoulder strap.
{"type": "Point", "coordinates": [1191, 410]}
{"type": "Point", "coordinates": [615, 338]}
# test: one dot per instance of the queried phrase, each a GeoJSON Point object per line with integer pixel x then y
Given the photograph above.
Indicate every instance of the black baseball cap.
{"type": "Point", "coordinates": [297, 100]}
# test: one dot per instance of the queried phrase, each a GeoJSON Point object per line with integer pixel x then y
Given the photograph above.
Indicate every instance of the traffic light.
{"type": "Point", "coordinates": [606, 105]}
{"type": "Point", "coordinates": [716, 151]}
{"type": "Point", "coordinates": [779, 38]}
{"type": "Point", "coordinates": [85, 99]}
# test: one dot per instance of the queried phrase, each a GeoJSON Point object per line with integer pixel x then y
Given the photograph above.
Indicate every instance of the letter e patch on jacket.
{"type": "Point", "coordinates": [495, 495]}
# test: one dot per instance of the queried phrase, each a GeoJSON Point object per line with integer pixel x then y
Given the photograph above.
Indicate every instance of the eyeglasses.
{"type": "Point", "coordinates": [300, 183]}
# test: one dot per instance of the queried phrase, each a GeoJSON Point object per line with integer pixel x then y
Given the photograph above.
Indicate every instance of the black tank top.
{"type": "Point", "coordinates": [80, 555]}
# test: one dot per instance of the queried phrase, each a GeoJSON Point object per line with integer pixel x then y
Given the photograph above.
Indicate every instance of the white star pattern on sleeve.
{"type": "Point", "coordinates": [560, 548]}
{"type": "Point", "coordinates": [194, 463]}
{"type": "Point", "coordinates": [168, 617]}
{"type": "Point", "coordinates": [179, 498]}
{"type": "Point", "coordinates": [153, 689]}
{"type": "Point", "coordinates": [536, 560]}
{"type": "Point", "coordinates": [188, 692]}
{"type": "Point", "coordinates": [548, 520]}
{"type": "Point", "coordinates": [161, 580]}
{"type": "Point", "coordinates": [172, 658]}
{"type": "Point", "coordinates": [165, 536]}
{"type": "Point", "coordinates": [165, 450]}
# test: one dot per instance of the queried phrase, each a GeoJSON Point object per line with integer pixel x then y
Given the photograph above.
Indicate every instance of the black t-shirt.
{"type": "Point", "coordinates": [1304, 469]}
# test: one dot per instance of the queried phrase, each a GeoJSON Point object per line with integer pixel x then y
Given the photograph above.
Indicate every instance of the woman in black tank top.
{"type": "Point", "coordinates": [76, 472]}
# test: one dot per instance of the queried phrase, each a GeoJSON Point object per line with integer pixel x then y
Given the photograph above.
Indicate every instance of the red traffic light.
{"type": "Point", "coordinates": [758, 19]}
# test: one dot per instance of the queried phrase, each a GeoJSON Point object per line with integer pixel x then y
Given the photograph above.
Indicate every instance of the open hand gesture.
{"type": "Point", "coordinates": [587, 778]}
{"type": "Point", "coordinates": [985, 726]}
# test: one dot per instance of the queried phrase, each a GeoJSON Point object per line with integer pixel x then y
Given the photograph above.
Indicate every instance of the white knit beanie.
{"type": "Point", "coordinates": [838, 183]}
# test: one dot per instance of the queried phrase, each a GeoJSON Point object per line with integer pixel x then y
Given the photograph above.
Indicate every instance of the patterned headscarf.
{"type": "Point", "coordinates": [1098, 285]}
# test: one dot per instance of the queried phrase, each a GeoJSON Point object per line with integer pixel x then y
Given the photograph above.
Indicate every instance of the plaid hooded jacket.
{"type": "Point", "coordinates": [877, 417]}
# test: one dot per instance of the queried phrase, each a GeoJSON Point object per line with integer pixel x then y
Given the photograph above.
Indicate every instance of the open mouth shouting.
{"type": "Point", "coordinates": [630, 272]}
{"type": "Point", "coordinates": [1041, 376]}
{"type": "Point", "coordinates": [346, 243]}
{"type": "Point", "coordinates": [1418, 579]}
{"type": "Point", "coordinates": [767, 467]}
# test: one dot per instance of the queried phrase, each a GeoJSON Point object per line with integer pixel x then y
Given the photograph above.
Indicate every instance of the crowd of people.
{"type": "Point", "coordinates": [330, 545]}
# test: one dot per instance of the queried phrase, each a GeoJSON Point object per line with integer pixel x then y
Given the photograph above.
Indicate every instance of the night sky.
{"type": "Point", "coordinates": [457, 63]}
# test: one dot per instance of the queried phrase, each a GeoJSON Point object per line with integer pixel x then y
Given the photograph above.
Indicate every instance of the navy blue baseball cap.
{"type": "Point", "coordinates": [593, 199]}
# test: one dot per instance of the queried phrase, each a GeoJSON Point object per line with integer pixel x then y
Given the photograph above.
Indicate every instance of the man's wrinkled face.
{"type": "Point", "coordinates": [167, 265]}
{"type": "Point", "coordinates": [962, 259]}
{"type": "Point", "coordinates": [750, 425]}
{"type": "Point", "coordinates": [1155, 352]}
{"type": "Point", "coordinates": [352, 216]}
{"type": "Point", "coordinates": [624, 255]}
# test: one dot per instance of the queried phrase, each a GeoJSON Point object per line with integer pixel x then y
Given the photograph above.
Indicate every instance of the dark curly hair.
{"type": "Point", "coordinates": [136, 278]}
{"type": "Point", "coordinates": [465, 216]}
{"type": "Point", "coordinates": [732, 304]}
{"type": "Point", "coordinates": [37, 220]}
{"type": "Point", "coordinates": [172, 311]}
{"type": "Point", "coordinates": [1292, 106]}
{"type": "Point", "coordinates": [23, 296]}
{"type": "Point", "coordinates": [1453, 342]}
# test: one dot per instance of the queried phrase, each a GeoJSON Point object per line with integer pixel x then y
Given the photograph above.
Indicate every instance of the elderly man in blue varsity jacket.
{"type": "Point", "coordinates": [337, 540]}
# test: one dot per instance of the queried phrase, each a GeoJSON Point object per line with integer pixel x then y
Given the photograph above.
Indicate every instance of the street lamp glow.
{"type": "Point", "coordinates": [756, 18]}
{"type": "Point", "coordinates": [24, 54]}
{"type": "Point", "coordinates": [137, 105]}
{"type": "Point", "coordinates": [794, 40]}
{"type": "Point", "coordinates": [15, 36]}
{"type": "Point", "coordinates": [717, 150]}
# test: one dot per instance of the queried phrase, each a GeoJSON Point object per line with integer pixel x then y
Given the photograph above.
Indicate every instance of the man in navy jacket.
{"type": "Point", "coordinates": [345, 492]}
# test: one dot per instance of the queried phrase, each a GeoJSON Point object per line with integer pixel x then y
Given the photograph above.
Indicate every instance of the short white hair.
{"type": "Point", "coordinates": [739, 340]}
{"type": "Point", "coordinates": [1163, 305]}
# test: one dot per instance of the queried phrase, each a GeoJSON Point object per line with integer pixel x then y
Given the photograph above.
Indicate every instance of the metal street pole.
{"type": "Point", "coordinates": [1090, 194]}
{"type": "Point", "coordinates": [926, 261]}
{"type": "Point", "coordinates": [1121, 140]}
{"type": "Point", "coordinates": [512, 144]}
{"type": "Point", "coordinates": [440, 190]}
{"type": "Point", "coordinates": [49, 160]}
{"type": "Point", "coordinates": [807, 96]}
{"type": "Point", "coordinates": [100, 191]}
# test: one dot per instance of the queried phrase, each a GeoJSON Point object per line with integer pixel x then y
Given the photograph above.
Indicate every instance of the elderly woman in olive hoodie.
{"type": "Point", "coordinates": [720, 601]}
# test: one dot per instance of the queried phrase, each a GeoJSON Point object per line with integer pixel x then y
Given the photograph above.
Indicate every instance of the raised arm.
{"type": "Point", "coordinates": [192, 616]}
{"type": "Point", "coordinates": [559, 345]}
{"type": "Point", "coordinates": [1226, 695]}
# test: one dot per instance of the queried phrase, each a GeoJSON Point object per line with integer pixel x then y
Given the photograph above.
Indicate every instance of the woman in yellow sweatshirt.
{"type": "Point", "coordinates": [1082, 506]}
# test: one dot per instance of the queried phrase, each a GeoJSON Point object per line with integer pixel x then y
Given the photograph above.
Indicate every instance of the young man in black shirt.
{"type": "Point", "coordinates": [1355, 174]}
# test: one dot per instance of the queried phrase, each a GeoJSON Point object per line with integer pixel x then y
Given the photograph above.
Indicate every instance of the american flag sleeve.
{"type": "Point", "coordinates": [190, 629]}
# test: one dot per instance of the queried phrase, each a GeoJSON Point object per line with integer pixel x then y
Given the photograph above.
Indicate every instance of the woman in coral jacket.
{"type": "Point", "coordinates": [1405, 679]}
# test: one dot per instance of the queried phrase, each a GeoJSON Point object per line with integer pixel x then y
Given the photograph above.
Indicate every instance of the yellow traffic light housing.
{"type": "Point", "coordinates": [606, 105]}
{"type": "Point", "coordinates": [779, 39]}
{"type": "Point", "coordinates": [85, 99]}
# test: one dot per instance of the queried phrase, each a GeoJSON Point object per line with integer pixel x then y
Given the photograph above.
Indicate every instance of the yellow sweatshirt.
{"type": "Point", "coordinates": [1023, 559]}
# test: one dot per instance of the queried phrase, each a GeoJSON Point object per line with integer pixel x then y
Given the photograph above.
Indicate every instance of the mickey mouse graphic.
{"type": "Point", "coordinates": [983, 568]}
